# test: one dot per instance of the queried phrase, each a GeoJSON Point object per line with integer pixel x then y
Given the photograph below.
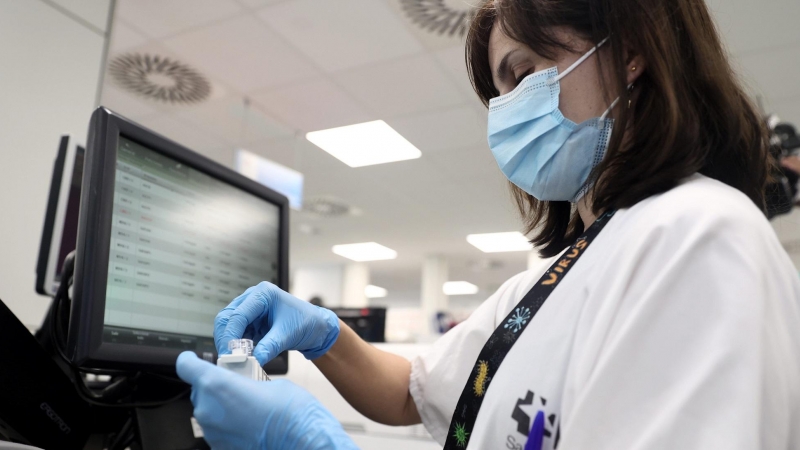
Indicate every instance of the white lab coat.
{"type": "Point", "coordinates": [679, 328]}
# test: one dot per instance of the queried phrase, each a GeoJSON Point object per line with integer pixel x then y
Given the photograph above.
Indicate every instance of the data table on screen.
{"type": "Point", "coordinates": [183, 244]}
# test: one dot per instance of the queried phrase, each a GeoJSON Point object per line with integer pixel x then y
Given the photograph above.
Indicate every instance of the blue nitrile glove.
{"type": "Point", "coordinates": [239, 413]}
{"type": "Point", "coordinates": [278, 321]}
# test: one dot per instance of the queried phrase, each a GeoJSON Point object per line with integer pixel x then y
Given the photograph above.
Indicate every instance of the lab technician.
{"type": "Point", "coordinates": [670, 317]}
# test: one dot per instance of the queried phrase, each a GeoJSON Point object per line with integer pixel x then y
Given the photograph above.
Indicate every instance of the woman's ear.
{"type": "Point", "coordinates": [634, 67]}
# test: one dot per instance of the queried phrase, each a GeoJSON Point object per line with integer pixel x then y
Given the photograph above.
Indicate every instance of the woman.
{"type": "Point", "coordinates": [670, 317]}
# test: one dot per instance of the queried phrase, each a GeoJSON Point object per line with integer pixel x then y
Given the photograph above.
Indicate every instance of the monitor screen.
{"type": "Point", "coordinates": [183, 245]}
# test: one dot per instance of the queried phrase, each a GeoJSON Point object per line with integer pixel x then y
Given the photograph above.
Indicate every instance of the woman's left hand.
{"type": "Point", "coordinates": [236, 412]}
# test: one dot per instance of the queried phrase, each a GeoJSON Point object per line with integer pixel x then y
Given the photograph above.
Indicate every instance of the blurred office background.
{"type": "Point", "coordinates": [222, 75]}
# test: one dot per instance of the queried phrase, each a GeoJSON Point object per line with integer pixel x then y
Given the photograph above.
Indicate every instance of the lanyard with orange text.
{"type": "Point", "coordinates": [505, 336]}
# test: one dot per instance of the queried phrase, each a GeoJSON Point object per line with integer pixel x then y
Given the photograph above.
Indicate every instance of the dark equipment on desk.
{"type": "Point", "coordinates": [782, 190]}
{"type": "Point", "coordinates": [368, 323]}
{"type": "Point", "coordinates": [39, 405]}
{"type": "Point", "coordinates": [60, 228]}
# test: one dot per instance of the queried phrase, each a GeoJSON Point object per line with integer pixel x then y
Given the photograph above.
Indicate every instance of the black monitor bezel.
{"type": "Point", "coordinates": [45, 243]}
{"type": "Point", "coordinates": [57, 223]}
{"type": "Point", "coordinates": [94, 239]}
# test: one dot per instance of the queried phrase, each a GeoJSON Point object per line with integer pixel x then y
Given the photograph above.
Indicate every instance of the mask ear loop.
{"type": "Point", "coordinates": [576, 63]}
{"type": "Point", "coordinates": [614, 103]}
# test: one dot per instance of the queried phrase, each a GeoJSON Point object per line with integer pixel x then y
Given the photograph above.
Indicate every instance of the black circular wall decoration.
{"type": "Point", "coordinates": [437, 17]}
{"type": "Point", "coordinates": [159, 78]}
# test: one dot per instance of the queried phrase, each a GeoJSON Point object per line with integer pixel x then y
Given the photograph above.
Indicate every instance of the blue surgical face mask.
{"type": "Point", "coordinates": [537, 148]}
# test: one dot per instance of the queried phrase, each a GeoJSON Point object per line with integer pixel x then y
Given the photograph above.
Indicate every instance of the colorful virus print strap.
{"type": "Point", "coordinates": [506, 334]}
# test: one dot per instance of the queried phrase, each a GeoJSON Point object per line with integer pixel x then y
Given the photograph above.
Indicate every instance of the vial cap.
{"type": "Point", "coordinates": [241, 347]}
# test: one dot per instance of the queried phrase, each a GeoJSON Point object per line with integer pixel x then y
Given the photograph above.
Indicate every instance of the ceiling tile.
{"type": "Point", "coordinates": [94, 12]}
{"type": "Point", "coordinates": [287, 152]}
{"type": "Point", "coordinates": [161, 18]}
{"type": "Point", "coordinates": [259, 3]}
{"type": "Point", "coordinates": [244, 53]}
{"type": "Point", "coordinates": [466, 164]}
{"type": "Point", "coordinates": [194, 137]}
{"type": "Point", "coordinates": [452, 59]}
{"type": "Point", "coordinates": [313, 105]}
{"type": "Point", "coordinates": [430, 11]}
{"type": "Point", "coordinates": [403, 86]}
{"type": "Point", "coordinates": [325, 175]}
{"type": "Point", "coordinates": [124, 103]}
{"type": "Point", "coordinates": [124, 37]}
{"type": "Point", "coordinates": [230, 119]}
{"type": "Point", "coordinates": [446, 129]}
{"type": "Point", "coordinates": [342, 34]}
{"type": "Point", "coordinates": [415, 179]}
{"type": "Point", "coordinates": [224, 154]}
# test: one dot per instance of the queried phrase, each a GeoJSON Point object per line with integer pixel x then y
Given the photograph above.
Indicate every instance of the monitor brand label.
{"type": "Point", "coordinates": [55, 418]}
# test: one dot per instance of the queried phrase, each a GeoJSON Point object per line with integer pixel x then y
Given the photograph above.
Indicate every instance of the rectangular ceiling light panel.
{"type": "Point", "coordinates": [459, 288]}
{"type": "Point", "coordinates": [365, 251]}
{"type": "Point", "coordinates": [375, 291]}
{"type": "Point", "coordinates": [364, 144]}
{"type": "Point", "coordinates": [513, 241]}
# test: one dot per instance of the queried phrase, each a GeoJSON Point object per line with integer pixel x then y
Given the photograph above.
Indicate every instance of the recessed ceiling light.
{"type": "Point", "coordinates": [459, 288]}
{"type": "Point", "coordinates": [364, 144]}
{"type": "Point", "coordinates": [375, 291]}
{"type": "Point", "coordinates": [365, 251]}
{"type": "Point", "coordinates": [512, 241]}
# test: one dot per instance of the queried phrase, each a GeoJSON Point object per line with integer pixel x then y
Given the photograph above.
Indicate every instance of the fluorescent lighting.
{"type": "Point", "coordinates": [459, 288]}
{"type": "Point", "coordinates": [512, 241]}
{"type": "Point", "coordinates": [365, 251]}
{"type": "Point", "coordinates": [375, 292]}
{"type": "Point", "coordinates": [364, 144]}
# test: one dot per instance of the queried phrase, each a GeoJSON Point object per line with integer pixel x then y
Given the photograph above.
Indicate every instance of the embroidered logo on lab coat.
{"type": "Point", "coordinates": [524, 410]}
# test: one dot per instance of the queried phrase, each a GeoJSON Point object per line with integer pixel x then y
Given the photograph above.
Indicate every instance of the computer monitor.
{"type": "Point", "coordinates": [166, 239]}
{"type": "Point", "coordinates": [60, 229]}
{"type": "Point", "coordinates": [368, 323]}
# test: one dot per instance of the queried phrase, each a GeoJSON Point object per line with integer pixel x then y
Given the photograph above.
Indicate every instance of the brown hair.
{"type": "Point", "coordinates": [689, 114]}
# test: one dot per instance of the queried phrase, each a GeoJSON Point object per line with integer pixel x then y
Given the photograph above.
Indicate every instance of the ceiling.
{"type": "Point", "coordinates": [306, 65]}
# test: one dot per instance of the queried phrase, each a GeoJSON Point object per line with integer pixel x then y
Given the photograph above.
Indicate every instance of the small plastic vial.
{"type": "Point", "coordinates": [242, 361]}
{"type": "Point", "coordinates": [241, 347]}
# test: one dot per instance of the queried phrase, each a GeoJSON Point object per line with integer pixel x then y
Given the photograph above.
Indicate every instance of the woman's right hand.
{"type": "Point", "coordinates": [278, 321]}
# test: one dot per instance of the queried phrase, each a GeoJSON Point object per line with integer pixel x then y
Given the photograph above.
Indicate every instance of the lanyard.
{"type": "Point", "coordinates": [505, 336]}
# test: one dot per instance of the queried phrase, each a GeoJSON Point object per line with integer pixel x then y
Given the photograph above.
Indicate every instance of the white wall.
{"type": "Point", "coordinates": [324, 281]}
{"type": "Point", "coordinates": [355, 279]}
{"type": "Point", "coordinates": [52, 52]}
